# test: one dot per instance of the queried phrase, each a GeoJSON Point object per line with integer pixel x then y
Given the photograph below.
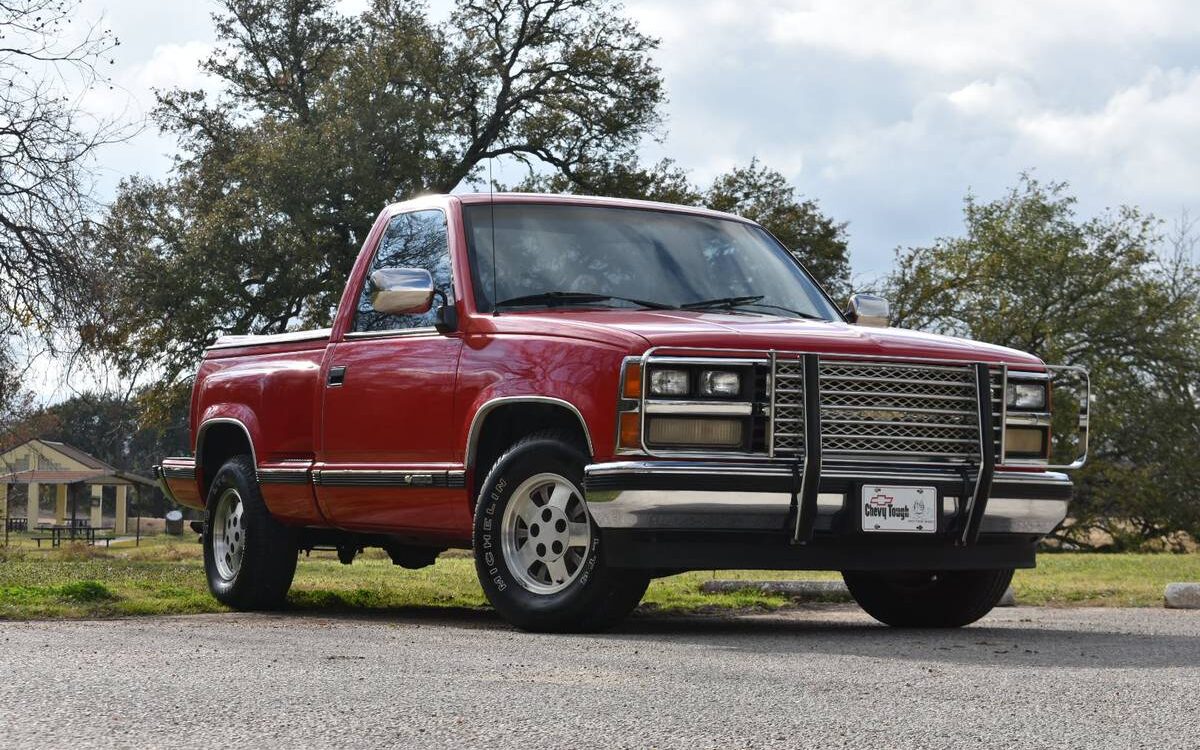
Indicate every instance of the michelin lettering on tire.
{"type": "Point", "coordinates": [488, 525]}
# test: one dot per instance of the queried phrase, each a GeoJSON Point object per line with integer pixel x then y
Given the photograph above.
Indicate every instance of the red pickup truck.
{"type": "Point", "coordinates": [590, 393]}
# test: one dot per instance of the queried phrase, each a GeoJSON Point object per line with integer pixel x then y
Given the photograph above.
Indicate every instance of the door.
{"type": "Point", "coordinates": [386, 439]}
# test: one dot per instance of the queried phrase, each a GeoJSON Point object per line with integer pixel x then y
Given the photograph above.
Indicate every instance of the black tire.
{"type": "Point", "coordinates": [928, 599]}
{"type": "Point", "coordinates": [267, 548]}
{"type": "Point", "coordinates": [597, 598]}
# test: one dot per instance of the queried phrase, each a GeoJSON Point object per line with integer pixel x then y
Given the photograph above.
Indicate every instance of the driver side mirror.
{"type": "Point", "coordinates": [868, 310]}
{"type": "Point", "coordinates": [402, 291]}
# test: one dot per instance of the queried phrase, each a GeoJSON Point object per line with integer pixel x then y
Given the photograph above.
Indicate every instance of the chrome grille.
{"type": "Point", "coordinates": [788, 394]}
{"type": "Point", "coordinates": [911, 411]}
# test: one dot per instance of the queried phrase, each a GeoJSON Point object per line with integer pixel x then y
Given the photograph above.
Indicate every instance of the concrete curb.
{"type": "Point", "coordinates": [825, 591]}
{"type": "Point", "coordinates": [1008, 598]}
{"type": "Point", "coordinates": [1182, 596]}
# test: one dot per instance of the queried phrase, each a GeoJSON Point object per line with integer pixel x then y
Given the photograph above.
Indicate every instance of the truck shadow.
{"type": "Point", "coordinates": [987, 643]}
{"type": "Point", "coordinates": [1062, 639]}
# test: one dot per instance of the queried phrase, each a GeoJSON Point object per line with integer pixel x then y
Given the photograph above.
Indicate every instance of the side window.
{"type": "Point", "coordinates": [412, 240]}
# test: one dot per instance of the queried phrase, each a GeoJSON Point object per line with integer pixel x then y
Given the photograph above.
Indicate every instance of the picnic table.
{"type": "Point", "coordinates": [73, 531]}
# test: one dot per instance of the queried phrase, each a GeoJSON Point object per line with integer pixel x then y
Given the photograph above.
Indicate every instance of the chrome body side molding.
{"type": "Point", "coordinates": [178, 468]}
{"type": "Point", "coordinates": [285, 472]}
{"type": "Point", "coordinates": [393, 478]}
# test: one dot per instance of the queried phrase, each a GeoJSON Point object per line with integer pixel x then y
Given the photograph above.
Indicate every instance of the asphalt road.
{"type": "Point", "coordinates": [820, 677]}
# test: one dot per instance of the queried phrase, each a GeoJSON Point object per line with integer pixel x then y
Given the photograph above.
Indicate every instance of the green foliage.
{"type": "Point", "coordinates": [621, 177]}
{"type": "Point", "coordinates": [1102, 293]}
{"type": "Point", "coordinates": [113, 430]}
{"type": "Point", "coordinates": [325, 119]}
{"type": "Point", "coordinates": [84, 591]}
{"type": "Point", "coordinates": [764, 195]}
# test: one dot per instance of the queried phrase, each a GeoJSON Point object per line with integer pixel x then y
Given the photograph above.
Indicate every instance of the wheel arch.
{"type": "Point", "coordinates": [501, 421]}
{"type": "Point", "coordinates": [217, 440]}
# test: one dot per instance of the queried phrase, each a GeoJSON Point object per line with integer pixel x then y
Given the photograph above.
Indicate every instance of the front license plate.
{"type": "Point", "coordinates": [905, 509]}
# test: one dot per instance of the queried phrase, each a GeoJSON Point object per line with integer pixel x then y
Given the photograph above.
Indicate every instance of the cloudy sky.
{"type": "Point", "coordinates": [886, 112]}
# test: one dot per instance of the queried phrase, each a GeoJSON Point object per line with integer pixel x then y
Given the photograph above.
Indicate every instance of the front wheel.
{"type": "Point", "coordinates": [250, 558]}
{"type": "Point", "coordinates": [537, 553]}
{"type": "Point", "coordinates": [928, 599]}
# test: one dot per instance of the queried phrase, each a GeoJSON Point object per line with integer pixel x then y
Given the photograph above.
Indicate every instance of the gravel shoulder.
{"type": "Point", "coordinates": [824, 675]}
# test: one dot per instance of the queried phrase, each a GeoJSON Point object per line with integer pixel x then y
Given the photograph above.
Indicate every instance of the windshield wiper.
{"type": "Point", "coordinates": [797, 313]}
{"type": "Point", "coordinates": [553, 299]}
{"type": "Point", "coordinates": [721, 302]}
{"type": "Point", "coordinates": [730, 303]}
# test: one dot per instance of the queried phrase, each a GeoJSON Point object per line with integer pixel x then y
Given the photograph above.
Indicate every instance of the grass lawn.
{"type": "Point", "coordinates": [165, 576]}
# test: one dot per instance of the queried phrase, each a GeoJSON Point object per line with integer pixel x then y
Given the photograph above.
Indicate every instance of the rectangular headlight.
{"type": "Point", "coordinates": [1030, 396]}
{"type": "Point", "coordinates": [668, 431]}
{"type": "Point", "coordinates": [669, 383]}
{"type": "Point", "coordinates": [722, 383]}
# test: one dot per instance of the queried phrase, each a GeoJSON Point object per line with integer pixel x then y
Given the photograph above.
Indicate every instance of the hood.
{"type": "Point", "coordinates": [677, 328]}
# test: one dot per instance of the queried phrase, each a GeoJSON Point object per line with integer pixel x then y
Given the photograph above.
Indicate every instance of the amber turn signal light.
{"type": "Point", "coordinates": [631, 430]}
{"type": "Point", "coordinates": [632, 386]}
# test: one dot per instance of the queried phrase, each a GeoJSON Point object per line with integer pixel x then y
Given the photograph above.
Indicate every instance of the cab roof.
{"type": "Point", "coordinates": [570, 200]}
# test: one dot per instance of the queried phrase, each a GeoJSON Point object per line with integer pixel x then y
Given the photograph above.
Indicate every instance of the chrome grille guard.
{"type": "Point", "coordinates": [880, 409]}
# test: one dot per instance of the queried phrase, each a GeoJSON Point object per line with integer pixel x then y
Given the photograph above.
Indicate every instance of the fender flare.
{"type": "Point", "coordinates": [489, 406]}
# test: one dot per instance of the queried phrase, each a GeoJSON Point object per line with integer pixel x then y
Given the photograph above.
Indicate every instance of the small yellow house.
{"type": "Point", "coordinates": [45, 463]}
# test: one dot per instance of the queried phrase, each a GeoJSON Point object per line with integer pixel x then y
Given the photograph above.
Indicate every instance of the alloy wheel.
{"type": "Point", "coordinates": [228, 534]}
{"type": "Point", "coordinates": [545, 533]}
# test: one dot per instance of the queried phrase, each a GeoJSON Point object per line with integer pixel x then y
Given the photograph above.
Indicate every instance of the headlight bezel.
{"type": "Point", "coordinates": [718, 394]}
{"type": "Point", "coordinates": [699, 379]}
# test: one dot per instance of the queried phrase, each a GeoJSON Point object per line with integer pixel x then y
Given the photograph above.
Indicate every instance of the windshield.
{"type": "Point", "coordinates": [618, 257]}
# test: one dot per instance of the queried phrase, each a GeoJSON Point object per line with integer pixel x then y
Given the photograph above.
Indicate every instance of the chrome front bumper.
{"type": "Point", "coordinates": [705, 496]}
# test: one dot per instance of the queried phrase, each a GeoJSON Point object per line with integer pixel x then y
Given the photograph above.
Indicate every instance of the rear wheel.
{"type": "Point", "coordinates": [538, 555]}
{"type": "Point", "coordinates": [249, 557]}
{"type": "Point", "coordinates": [928, 599]}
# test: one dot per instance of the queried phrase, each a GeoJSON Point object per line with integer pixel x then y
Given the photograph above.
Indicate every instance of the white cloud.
{"type": "Point", "coordinates": [1139, 146]}
{"type": "Point", "coordinates": [174, 65]}
{"type": "Point", "coordinates": [888, 112]}
{"type": "Point", "coordinates": [955, 36]}
{"type": "Point", "coordinates": [1143, 142]}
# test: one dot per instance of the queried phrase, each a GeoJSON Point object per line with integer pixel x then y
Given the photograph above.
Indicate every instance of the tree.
{"type": "Point", "coordinates": [1102, 293]}
{"type": "Point", "coordinates": [764, 195]}
{"type": "Point", "coordinates": [19, 419]}
{"type": "Point", "coordinates": [324, 120]}
{"type": "Point", "coordinates": [622, 176]}
{"type": "Point", "coordinates": [47, 60]}
{"type": "Point", "coordinates": [46, 144]}
{"type": "Point", "coordinates": [755, 191]}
